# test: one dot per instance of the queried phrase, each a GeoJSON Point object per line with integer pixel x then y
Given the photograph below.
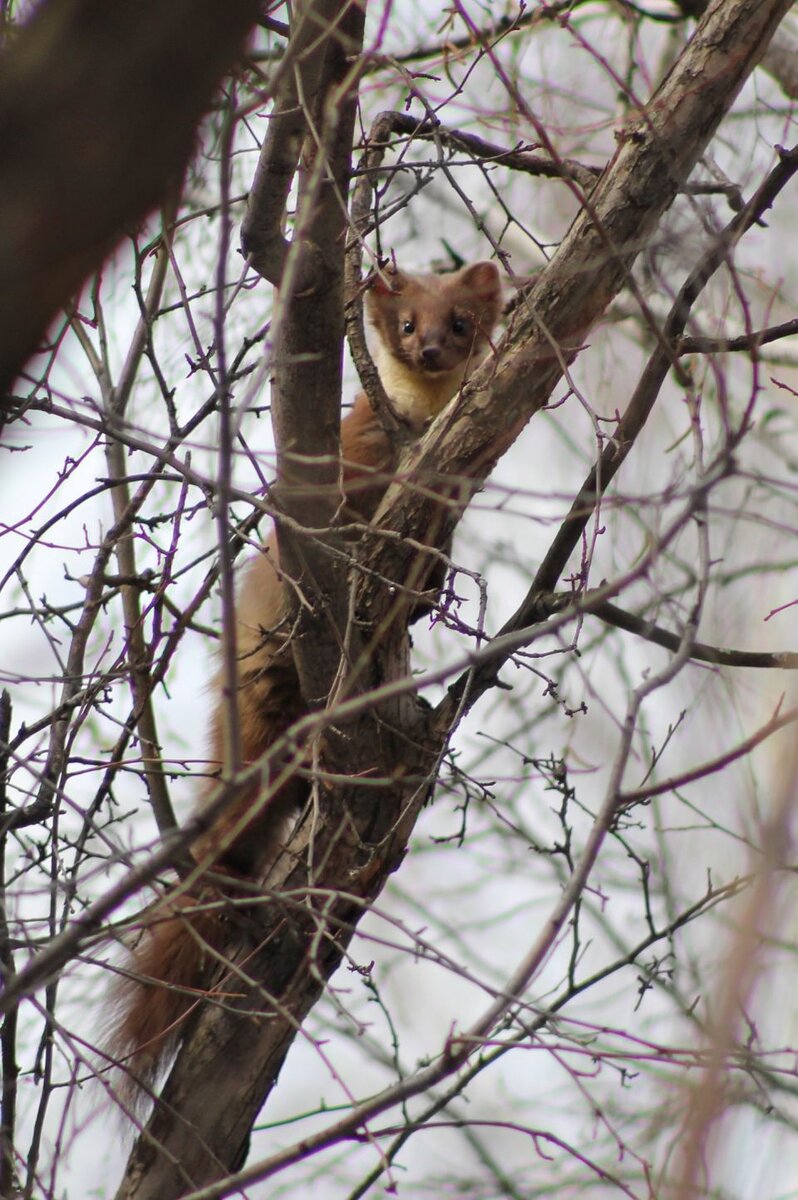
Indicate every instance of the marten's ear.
{"type": "Point", "coordinates": [387, 280]}
{"type": "Point", "coordinates": [481, 278]}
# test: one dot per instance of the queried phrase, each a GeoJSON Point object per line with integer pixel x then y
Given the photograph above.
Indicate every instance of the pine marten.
{"type": "Point", "coordinates": [430, 331]}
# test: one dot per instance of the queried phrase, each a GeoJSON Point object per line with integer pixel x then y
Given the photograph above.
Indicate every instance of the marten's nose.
{"type": "Point", "coordinates": [430, 356]}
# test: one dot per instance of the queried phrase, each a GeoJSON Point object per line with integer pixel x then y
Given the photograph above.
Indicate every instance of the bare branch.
{"type": "Point", "coordinates": [633, 420]}
{"type": "Point", "coordinates": [744, 341]}
{"type": "Point", "coordinates": [783, 660]}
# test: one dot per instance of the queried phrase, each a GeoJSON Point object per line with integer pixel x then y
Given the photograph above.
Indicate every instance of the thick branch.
{"type": "Point", "coordinates": [208, 1138]}
{"type": "Point", "coordinates": [652, 163]}
{"type": "Point", "coordinates": [306, 390]}
{"type": "Point", "coordinates": [630, 425]}
{"type": "Point", "coordinates": [99, 102]}
{"type": "Point", "coordinates": [634, 418]}
{"type": "Point", "coordinates": [297, 91]}
{"type": "Point", "coordinates": [332, 868]}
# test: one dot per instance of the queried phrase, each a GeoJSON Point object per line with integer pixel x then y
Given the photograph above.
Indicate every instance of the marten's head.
{"type": "Point", "coordinates": [435, 323]}
{"type": "Point", "coordinates": [432, 330]}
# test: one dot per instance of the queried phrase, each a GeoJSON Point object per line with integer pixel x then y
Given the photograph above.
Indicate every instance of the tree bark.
{"type": "Point", "coordinates": [99, 105]}
{"type": "Point", "coordinates": [197, 1134]}
{"type": "Point", "coordinates": [655, 156]}
{"type": "Point", "coordinates": [339, 858]}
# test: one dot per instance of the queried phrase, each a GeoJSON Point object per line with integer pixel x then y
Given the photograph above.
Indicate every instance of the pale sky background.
{"type": "Point", "coordinates": [472, 894]}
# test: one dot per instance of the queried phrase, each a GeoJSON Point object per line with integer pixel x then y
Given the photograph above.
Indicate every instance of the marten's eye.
{"type": "Point", "coordinates": [459, 326]}
{"type": "Point", "coordinates": [408, 327]}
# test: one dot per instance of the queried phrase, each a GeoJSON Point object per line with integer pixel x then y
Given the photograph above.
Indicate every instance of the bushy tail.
{"type": "Point", "coordinates": [166, 975]}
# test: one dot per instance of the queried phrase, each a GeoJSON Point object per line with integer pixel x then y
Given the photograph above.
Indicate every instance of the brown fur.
{"type": "Point", "coordinates": [430, 331]}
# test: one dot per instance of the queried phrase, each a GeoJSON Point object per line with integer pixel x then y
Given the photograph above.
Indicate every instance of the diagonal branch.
{"type": "Point", "coordinates": [653, 161]}
{"type": "Point", "coordinates": [351, 851]}
{"type": "Point", "coordinates": [632, 422]}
